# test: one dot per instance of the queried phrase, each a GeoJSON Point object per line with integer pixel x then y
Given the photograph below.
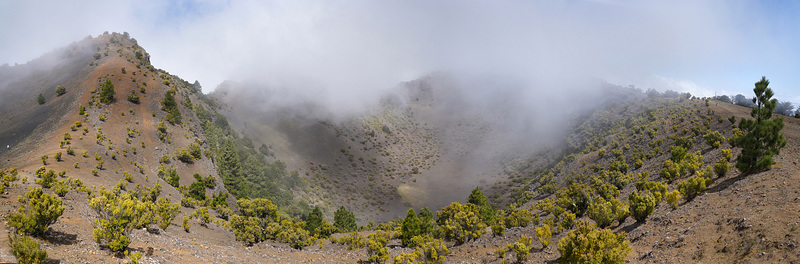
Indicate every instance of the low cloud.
{"type": "Point", "coordinates": [348, 54]}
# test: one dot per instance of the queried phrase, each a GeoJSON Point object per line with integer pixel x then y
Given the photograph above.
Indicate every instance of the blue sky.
{"type": "Point", "coordinates": [350, 49]}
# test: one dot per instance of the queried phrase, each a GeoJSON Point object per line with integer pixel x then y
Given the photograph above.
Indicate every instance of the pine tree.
{"type": "Point", "coordinates": [410, 228]}
{"type": "Point", "coordinates": [762, 137]}
{"type": "Point", "coordinates": [230, 170]}
{"type": "Point", "coordinates": [344, 220]}
{"type": "Point", "coordinates": [486, 213]}
{"type": "Point", "coordinates": [427, 221]}
{"type": "Point", "coordinates": [107, 92]}
{"type": "Point", "coordinates": [314, 219]}
{"type": "Point", "coordinates": [169, 105]}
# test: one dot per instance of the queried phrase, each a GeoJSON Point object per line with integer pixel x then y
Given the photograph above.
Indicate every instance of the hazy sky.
{"type": "Point", "coordinates": [358, 48]}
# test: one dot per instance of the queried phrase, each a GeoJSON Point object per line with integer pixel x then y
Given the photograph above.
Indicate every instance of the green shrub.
{"type": "Point", "coordinates": [621, 210]}
{"type": "Point", "coordinates": [325, 230]}
{"type": "Point", "coordinates": [498, 228]}
{"type": "Point", "coordinates": [642, 205]}
{"type": "Point", "coordinates": [211, 181]}
{"type": "Point", "coordinates": [673, 197]}
{"type": "Point", "coordinates": [245, 229]}
{"type": "Point", "coordinates": [544, 234]}
{"type": "Point", "coordinates": [693, 186]}
{"type": "Point", "coordinates": [48, 178]}
{"type": "Point", "coordinates": [670, 171]}
{"type": "Point", "coordinates": [260, 208]}
{"type": "Point", "coordinates": [40, 99]}
{"type": "Point", "coordinates": [184, 156]}
{"type": "Point", "coordinates": [726, 153]}
{"type": "Point", "coordinates": [188, 202]}
{"type": "Point", "coordinates": [376, 247]}
{"type": "Point", "coordinates": [615, 177]}
{"type": "Point", "coordinates": [586, 244]}
{"type": "Point", "coordinates": [656, 188]}
{"type": "Point", "coordinates": [38, 211]}
{"type": "Point", "coordinates": [26, 249]}
{"type": "Point", "coordinates": [518, 218]}
{"type": "Point", "coordinates": [601, 212]}
{"type": "Point", "coordinates": [170, 176]}
{"type": "Point", "coordinates": [686, 142]}
{"type": "Point", "coordinates": [433, 250]}
{"type": "Point", "coordinates": [576, 198]}
{"type": "Point", "coordinates": [60, 90]}
{"type": "Point", "coordinates": [721, 167]}
{"type": "Point", "coordinates": [547, 205]}
{"type": "Point", "coordinates": [521, 248]}
{"type": "Point", "coordinates": [714, 139]}
{"type": "Point", "coordinates": [164, 159]}
{"type": "Point", "coordinates": [133, 97]}
{"type": "Point", "coordinates": [166, 212]}
{"type": "Point", "coordinates": [353, 240]}
{"type": "Point", "coordinates": [194, 150]}
{"type": "Point", "coordinates": [678, 153]}
{"type": "Point", "coordinates": [120, 212]}
{"type": "Point", "coordinates": [161, 131]}
{"type": "Point", "coordinates": [567, 221]}
{"type": "Point", "coordinates": [460, 223]}
{"type": "Point", "coordinates": [197, 190]}
{"type": "Point", "coordinates": [133, 257]}
{"type": "Point", "coordinates": [186, 225]}
{"type": "Point", "coordinates": [692, 162]}
{"type": "Point", "coordinates": [60, 188]}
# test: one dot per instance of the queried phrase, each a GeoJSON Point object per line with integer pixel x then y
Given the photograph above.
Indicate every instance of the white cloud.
{"type": "Point", "coordinates": [355, 49]}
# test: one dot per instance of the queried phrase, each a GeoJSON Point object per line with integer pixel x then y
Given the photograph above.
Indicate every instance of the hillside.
{"type": "Point", "coordinates": [427, 144]}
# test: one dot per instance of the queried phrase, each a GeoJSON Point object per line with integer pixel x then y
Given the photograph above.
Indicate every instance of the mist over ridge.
{"type": "Point", "coordinates": [349, 53]}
